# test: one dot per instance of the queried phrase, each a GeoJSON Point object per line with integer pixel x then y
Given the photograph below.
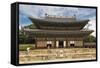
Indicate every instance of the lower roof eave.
{"type": "Point", "coordinates": [53, 33]}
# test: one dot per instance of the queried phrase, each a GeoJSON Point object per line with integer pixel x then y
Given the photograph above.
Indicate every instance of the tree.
{"type": "Point", "coordinates": [25, 38]}
{"type": "Point", "coordinates": [90, 38]}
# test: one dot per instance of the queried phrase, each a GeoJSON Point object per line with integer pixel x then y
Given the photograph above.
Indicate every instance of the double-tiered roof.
{"type": "Point", "coordinates": [51, 26]}
{"type": "Point", "coordinates": [67, 23]}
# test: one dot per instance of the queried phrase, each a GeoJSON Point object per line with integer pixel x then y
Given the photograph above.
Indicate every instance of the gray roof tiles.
{"type": "Point", "coordinates": [58, 22]}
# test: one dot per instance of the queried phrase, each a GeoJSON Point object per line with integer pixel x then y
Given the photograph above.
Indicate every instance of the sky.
{"type": "Point", "coordinates": [38, 11]}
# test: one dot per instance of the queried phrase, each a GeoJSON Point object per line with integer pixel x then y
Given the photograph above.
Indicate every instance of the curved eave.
{"type": "Point", "coordinates": [41, 23]}
{"type": "Point", "coordinates": [53, 33]}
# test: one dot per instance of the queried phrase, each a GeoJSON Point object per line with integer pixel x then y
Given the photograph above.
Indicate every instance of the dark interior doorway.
{"type": "Point", "coordinates": [72, 45]}
{"type": "Point", "coordinates": [49, 45]}
{"type": "Point", "coordinates": [61, 45]}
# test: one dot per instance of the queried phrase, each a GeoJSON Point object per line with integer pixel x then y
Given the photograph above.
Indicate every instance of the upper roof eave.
{"type": "Point", "coordinates": [45, 23]}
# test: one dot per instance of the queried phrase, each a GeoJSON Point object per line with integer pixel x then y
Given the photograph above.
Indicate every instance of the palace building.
{"type": "Point", "coordinates": [58, 32]}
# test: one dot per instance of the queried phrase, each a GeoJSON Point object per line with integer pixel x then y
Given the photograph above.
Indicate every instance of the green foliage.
{"type": "Point", "coordinates": [90, 38]}
{"type": "Point", "coordinates": [23, 47]}
{"type": "Point", "coordinates": [25, 38]}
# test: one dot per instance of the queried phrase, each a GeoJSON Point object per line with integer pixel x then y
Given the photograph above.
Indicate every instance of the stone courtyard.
{"type": "Point", "coordinates": [56, 55]}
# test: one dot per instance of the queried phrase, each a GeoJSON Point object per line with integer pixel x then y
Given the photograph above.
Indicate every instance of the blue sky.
{"type": "Point", "coordinates": [38, 11]}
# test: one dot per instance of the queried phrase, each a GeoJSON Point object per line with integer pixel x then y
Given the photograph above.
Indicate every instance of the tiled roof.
{"type": "Point", "coordinates": [56, 33]}
{"type": "Point", "coordinates": [59, 23]}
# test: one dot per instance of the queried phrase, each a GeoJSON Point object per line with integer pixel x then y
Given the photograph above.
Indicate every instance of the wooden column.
{"type": "Point", "coordinates": [54, 43]}
{"type": "Point", "coordinates": [35, 43]}
{"type": "Point", "coordinates": [66, 43]}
